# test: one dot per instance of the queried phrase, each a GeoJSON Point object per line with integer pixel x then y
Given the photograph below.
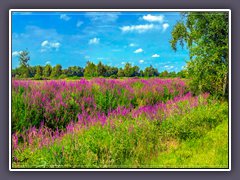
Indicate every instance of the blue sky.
{"type": "Point", "coordinates": [114, 38]}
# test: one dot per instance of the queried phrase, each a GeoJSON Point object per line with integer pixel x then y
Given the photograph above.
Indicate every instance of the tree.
{"type": "Point", "coordinates": [130, 71]}
{"type": "Point", "coordinates": [47, 70]}
{"type": "Point", "coordinates": [110, 71]}
{"type": "Point", "coordinates": [90, 70]}
{"type": "Point", "coordinates": [150, 71]}
{"type": "Point", "coordinates": [57, 71]}
{"type": "Point", "coordinates": [101, 69]}
{"type": "Point", "coordinates": [120, 72]}
{"type": "Point", "coordinates": [182, 73]}
{"type": "Point", "coordinates": [164, 74]}
{"type": "Point", "coordinates": [141, 73]}
{"type": "Point", "coordinates": [39, 72]}
{"type": "Point", "coordinates": [206, 36]}
{"type": "Point", "coordinates": [135, 71]}
{"type": "Point", "coordinates": [74, 71]}
{"type": "Point", "coordinates": [23, 61]}
{"type": "Point", "coordinates": [127, 70]}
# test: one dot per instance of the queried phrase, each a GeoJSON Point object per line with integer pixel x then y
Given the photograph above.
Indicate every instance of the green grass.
{"type": "Point", "coordinates": [197, 139]}
{"type": "Point", "coordinates": [209, 151]}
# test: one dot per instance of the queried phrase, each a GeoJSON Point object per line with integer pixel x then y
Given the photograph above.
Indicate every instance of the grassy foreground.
{"type": "Point", "coordinates": [196, 139]}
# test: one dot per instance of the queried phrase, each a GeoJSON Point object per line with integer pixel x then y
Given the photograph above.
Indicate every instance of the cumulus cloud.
{"type": "Point", "coordinates": [123, 63]}
{"type": "Point", "coordinates": [155, 55]}
{"type": "Point", "coordinates": [138, 50]}
{"type": "Point", "coordinates": [79, 23]}
{"type": "Point", "coordinates": [16, 53]}
{"type": "Point", "coordinates": [141, 61]}
{"type": "Point", "coordinates": [65, 17]}
{"type": "Point", "coordinates": [94, 41]}
{"type": "Point", "coordinates": [46, 45]}
{"type": "Point", "coordinates": [152, 18]}
{"type": "Point", "coordinates": [137, 28]}
{"type": "Point", "coordinates": [48, 62]}
{"type": "Point", "coordinates": [165, 26]}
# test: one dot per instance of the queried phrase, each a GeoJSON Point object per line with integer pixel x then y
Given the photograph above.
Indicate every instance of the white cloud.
{"type": "Point", "coordinates": [102, 17]}
{"type": "Point", "coordinates": [151, 18]}
{"type": "Point", "coordinates": [16, 53]}
{"type": "Point", "coordinates": [165, 26]}
{"type": "Point", "coordinates": [141, 61]}
{"type": "Point", "coordinates": [65, 17]}
{"type": "Point", "coordinates": [156, 56]}
{"type": "Point", "coordinates": [94, 41]}
{"type": "Point", "coordinates": [137, 28]}
{"type": "Point", "coordinates": [48, 62]}
{"type": "Point", "coordinates": [79, 23]}
{"type": "Point", "coordinates": [138, 50]}
{"type": "Point", "coordinates": [55, 45]}
{"type": "Point", "coordinates": [46, 45]}
{"type": "Point", "coordinates": [86, 57]}
{"type": "Point", "coordinates": [123, 63]}
{"type": "Point", "coordinates": [169, 67]}
{"type": "Point", "coordinates": [132, 45]}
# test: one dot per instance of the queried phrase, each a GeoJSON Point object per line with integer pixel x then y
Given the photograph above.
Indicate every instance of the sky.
{"type": "Point", "coordinates": [114, 38]}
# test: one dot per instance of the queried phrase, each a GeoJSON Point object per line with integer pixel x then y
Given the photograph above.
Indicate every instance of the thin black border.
{"type": "Point", "coordinates": [115, 10]}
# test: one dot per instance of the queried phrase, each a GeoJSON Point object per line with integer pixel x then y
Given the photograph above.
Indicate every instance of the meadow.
{"type": "Point", "coordinates": [117, 123]}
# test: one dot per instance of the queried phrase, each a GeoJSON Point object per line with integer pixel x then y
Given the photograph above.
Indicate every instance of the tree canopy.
{"type": "Point", "coordinates": [206, 36]}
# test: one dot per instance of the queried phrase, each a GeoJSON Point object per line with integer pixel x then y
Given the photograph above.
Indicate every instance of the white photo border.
{"type": "Point", "coordinates": [119, 10]}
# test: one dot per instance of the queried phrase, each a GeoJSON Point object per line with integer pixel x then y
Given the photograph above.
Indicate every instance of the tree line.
{"type": "Point", "coordinates": [90, 70]}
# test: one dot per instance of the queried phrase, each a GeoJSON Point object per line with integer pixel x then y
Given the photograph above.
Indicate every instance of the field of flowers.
{"type": "Point", "coordinates": [110, 123]}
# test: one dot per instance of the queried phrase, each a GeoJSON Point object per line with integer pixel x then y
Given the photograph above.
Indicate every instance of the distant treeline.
{"type": "Point", "coordinates": [90, 70]}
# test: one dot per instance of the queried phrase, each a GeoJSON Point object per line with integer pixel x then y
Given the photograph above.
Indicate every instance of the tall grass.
{"type": "Point", "coordinates": [124, 141]}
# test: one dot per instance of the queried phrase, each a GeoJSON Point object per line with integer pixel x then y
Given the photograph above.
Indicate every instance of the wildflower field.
{"type": "Point", "coordinates": [116, 123]}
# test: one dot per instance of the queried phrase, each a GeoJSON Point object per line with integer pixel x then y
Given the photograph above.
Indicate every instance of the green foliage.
{"type": "Point", "coordinates": [57, 71]}
{"type": "Point", "coordinates": [63, 76]}
{"type": "Point", "coordinates": [206, 35]}
{"type": "Point", "coordinates": [47, 70]}
{"type": "Point", "coordinates": [150, 72]}
{"type": "Point", "coordinates": [39, 73]}
{"type": "Point", "coordinates": [101, 69]}
{"type": "Point", "coordinates": [195, 139]}
{"type": "Point", "coordinates": [24, 58]}
{"type": "Point", "coordinates": [130, 71]}
{"type": "Point", "coordinates": [74, 71]}
{"type": "Point", "coordinates": [209, 151]}
{"type": "Point", "coordinates": [195, 124]}
{"type": "Point", "coordinates": [90, 70]}
{"type": "Point", "coordinates": [23, 61]}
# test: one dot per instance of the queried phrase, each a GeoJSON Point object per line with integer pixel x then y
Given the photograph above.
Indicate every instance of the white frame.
{"type": "Point", "coordinates": [116, 10]}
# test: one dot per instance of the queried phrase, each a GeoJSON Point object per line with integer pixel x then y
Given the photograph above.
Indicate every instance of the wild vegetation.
{"type": "Point", "coordinates": [107, 117]}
